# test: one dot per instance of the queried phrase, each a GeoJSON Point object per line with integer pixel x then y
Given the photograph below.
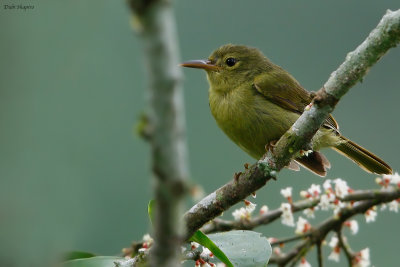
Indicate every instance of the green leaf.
{"type": "Point", "coordinates": [203, 240]}
{"type": "Point", "coordinates": [244, 248]}
{"type": "Point", "coordinates": [151, 209]}
{"type": "Point", "coordinates": [73, 255]}
{"type": "Point", "coordinates": [100, 261]}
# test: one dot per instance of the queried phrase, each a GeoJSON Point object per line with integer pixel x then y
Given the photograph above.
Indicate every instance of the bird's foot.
{"type": "Point", "coordinates": [270, 146]}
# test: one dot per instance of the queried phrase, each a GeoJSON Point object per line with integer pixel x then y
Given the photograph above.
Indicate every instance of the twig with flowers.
{"type": "Point", "coordinates": [344, 202]}
{"type": "Point", "coordinates": [385, 36]}
{"type": "Point", "coordinates": [312, 200]}
{"type": "Point", "coordinates": [335, 196]}
{"type": "Point", "coordinates": [338, 197]}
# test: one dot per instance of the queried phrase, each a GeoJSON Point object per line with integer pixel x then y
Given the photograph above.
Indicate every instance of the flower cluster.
{"type": "Point", "coordinates": [205, 256]}
{"type": "Point", "coordinates": [333, 197]}
{"type": "Point", "coordinates": [147, 242]}
{"type": "Point", "coordinates": [361, 259]}
{"type": "Point", "coordinates": [335, 253]}
{"type": "Point", "coordinates": [244, 213]}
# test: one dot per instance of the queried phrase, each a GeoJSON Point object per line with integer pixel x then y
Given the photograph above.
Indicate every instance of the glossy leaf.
{"type": "Point", "coordinates": [73, 255]}
{"type": "Point", "coordinates": [100, 261]}
{"type": "Point", "coordinates": [203, 240]}
{"type": "Point", "coordinates": [244, 248]}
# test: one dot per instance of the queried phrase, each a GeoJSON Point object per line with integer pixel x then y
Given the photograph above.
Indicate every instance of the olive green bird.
{"type": "Point", "coordinates": [255, 102]}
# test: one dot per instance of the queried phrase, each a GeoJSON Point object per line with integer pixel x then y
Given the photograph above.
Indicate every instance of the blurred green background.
{"type": "Point", "coordinates": [73, 174]}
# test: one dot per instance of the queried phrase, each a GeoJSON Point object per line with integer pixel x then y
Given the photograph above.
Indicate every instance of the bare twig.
{"type": "Point", "coordinates": [319, 255]}
{"type": "Point", "coordinates": [345, 246]}
{"type": "Point", "coordinates": [289, 239]}
{"type": "Point", "coordinates": [156, 24]}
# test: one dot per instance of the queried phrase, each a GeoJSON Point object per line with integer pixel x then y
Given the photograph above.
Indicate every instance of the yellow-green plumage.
{"type": "Point", "coordinates": [255, 102]}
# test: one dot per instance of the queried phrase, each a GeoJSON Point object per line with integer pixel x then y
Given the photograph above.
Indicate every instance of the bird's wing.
{"type": "Point", "coordinates": [281, 88]}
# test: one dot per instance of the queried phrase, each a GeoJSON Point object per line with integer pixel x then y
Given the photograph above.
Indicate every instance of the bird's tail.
{"type": "Point", "coordinates": [365, 159]}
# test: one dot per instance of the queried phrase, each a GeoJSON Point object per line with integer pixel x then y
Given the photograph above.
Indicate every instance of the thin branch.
{"type": "Point", "coordinates": [219, 225]}
{"type": "Point", "coordinates": [356, 65]}
{"type": "Point", "coordinates": [156, 25]}
{"type": "Point", "coordinates": [319, 255]}
{"type": "Point", "coordinates": [302, 251]}
{"type": "Point", "coordinates": [379, 194]}
{"type": "Point", "coordinates": [345, 246]}
{"type": "Point", "coordinates": [317, 234]}
{"type": "Point", "coordinates": [289, 239]}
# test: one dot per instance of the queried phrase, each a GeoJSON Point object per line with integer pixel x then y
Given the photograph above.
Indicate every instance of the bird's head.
{"type": "Point", "coordinates": [231, 65]}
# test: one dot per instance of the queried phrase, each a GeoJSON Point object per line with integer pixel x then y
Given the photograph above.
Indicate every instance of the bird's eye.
{"type": "Point", "coordinates": [230, 61]}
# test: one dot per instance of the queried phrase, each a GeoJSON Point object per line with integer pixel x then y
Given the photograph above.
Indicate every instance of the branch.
{"type": "Point", "coordinates": [385, 36]}
{"type": "Point", "coordinates": [346, 248]}
{"type": "Point", "coordinates": [318, 233]}
{"type": "Point", "coordinates": [288, 239]}
{"type": "Point", "coordinates": [156, 25]}
{"type": "Point", "coordinates": [319, 255]}
{"type": "Point", "coordinates": [219, 225]}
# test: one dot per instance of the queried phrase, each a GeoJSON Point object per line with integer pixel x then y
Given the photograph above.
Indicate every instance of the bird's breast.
{"type": "Point", "coordinates": [249, 119]}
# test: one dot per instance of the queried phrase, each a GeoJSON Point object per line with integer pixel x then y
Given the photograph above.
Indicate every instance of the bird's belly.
{"type": "Point", "coordinates": [253, 125]}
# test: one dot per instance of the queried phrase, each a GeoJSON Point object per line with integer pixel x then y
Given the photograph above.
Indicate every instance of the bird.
{"type": "Point", "coordinates": [255, 102]}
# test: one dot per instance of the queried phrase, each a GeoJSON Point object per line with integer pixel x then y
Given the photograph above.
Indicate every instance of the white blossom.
{"type": "Point", "coordinates": [206, 253]}
{"type": "Point", "coordinates": [341, 188]}
{"type": "Point", "coordinates": [363, 259]}
{"type": "Point", "coordinates": [304, 194]}
{"type": "Point", "coordinates": [325, 202]}
{"type": "Point", "coordinates": [264, 209]}
{"type": "Point", "coordinates": [394, 206]}
{"type": "Point", "coordinates": [250, 207]}
{"type": "Point", "coordinates": [380, 181]}
{"type": "Point", "coordinates": [365, 254]}
{"type": "Point", "coordinates": [241, 214]}
{"type": "Point", "coordinates": [287, 192]}
{"type": "Point", "coordinates": [309, 213]}
{"type": "Point", "coordinates": [147, 242]}
{"type": "Point", "coordinates": [335, 254]}
{"type": "Point", "coordinates": [287, 215]}
{"type": "Point", "coordinates": [148, 239]}
{"type": "Point", "coordinates": [304, 263]}
{"type": "Point", "coordinates": [327, 185]}
{"type": "Point", "coordinates": [392, 178]}
{"type": "Point", "coordinates": [338, 206]}
{"type": "Point", "coordinates": [370, 215]}
{"type": "Point", "coordinates": [334, 242]}
{"type": "Point", "coordinates": [302, 226]}
{"type": "Point", "coordinates": [194, 245]}
{"type": "Point", "coordinates": [314, 190]}
{"type": "Point", "coordinates": [353, 225]}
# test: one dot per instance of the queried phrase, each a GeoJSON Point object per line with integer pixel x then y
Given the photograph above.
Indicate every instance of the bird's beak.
{"type": "Point", "coordinates": [200, 64]}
